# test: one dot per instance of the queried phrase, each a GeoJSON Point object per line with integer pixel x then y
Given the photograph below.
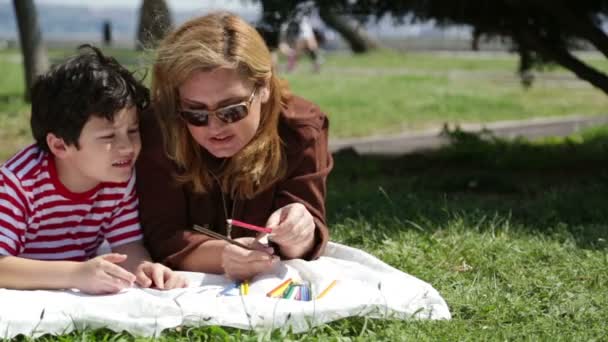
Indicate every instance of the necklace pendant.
{"type": "Point", "coordinates": [229, 230]}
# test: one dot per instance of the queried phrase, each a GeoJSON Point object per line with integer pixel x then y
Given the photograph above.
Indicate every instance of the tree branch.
{"type": "Point", "coordinates": [579, 24]}
{"type": "Point", "coordinates": [566, 59]}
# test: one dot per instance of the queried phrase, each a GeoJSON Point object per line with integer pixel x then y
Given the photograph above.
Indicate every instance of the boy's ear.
{"type": "Point", "coordinates": [57, 145]}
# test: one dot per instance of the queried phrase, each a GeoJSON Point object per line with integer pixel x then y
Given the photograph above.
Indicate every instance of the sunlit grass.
{"type": "Point", "coordinates": [389, 92]}
{"type": "Point", "coordinates": [517, 248]}
{"type": "Point", "coordinates": [513, 234]}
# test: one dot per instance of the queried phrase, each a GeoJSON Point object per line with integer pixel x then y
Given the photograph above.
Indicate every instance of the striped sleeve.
{"type": "Point", "coordinates": [13, 211]}
{"type": "Point", "coordinates": [124, 224]}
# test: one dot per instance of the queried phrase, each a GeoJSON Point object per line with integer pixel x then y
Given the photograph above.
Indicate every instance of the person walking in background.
{"type": "Point", "coordinates": [298, 37]}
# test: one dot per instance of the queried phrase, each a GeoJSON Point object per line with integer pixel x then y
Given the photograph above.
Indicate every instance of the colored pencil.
{"type": "Point", "coordinates": [305, 293]}
{"type": "Point", "coordinates": [293, 293]}
{"type": "Point", "coordinates": [277, 291]}
{"type": "Point", "coordinates": [329, 287]}
{"type": "Point", "coordinates": [213, 234]}
{"type": "Point", "coordinates": [298, 295]}
{"type": "Point", "coordinates": [287, 294]}
{"type": "Point", "coordinates": [238, 223]}
{"type": "Point", "coordinates": [228, 288]}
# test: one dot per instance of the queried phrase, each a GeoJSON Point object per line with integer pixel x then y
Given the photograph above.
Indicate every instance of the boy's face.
{"type": "Point", "coordinates": [107, 152]}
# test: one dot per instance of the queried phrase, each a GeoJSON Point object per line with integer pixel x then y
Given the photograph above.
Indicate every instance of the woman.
{"type": "Point", "coordinates": [235, 145]}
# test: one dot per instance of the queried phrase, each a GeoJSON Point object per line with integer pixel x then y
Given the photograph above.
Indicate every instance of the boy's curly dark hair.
{"type": "Point", "coordinates": [89, 84]}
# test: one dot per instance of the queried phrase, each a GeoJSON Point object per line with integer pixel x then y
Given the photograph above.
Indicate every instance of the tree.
{"type": "Point", "coordinates": [35, 59]}
{"type": "Point", "coordinates": [541, 31]}
{"type": "Point", "coordinates": [276, 12]}
{"type": "Point", "coordinates": [154, 23]}
{"type": "Point", "coordinates": [349, 29]}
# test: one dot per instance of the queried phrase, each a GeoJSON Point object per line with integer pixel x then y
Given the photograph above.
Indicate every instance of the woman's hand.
{"type": "Point", "coordinates": [241, 264]}
{"type": "Point", "coordinates": [101, 275]}
{"type": "Point", "coordinates": [158, 275]}
{"type": "Point", "coordinates": [293, 229]}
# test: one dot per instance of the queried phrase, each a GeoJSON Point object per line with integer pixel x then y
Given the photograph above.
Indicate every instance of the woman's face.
{"type": "Point", "coordinates": [216, 89]}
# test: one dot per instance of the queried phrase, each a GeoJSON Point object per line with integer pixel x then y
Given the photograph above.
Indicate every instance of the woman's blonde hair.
{"type": "Point", "coordinates": [219, 40]}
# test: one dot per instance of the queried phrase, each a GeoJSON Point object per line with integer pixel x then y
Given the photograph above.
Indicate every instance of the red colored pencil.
{"type": "Point", "coordinates": [248, 226]}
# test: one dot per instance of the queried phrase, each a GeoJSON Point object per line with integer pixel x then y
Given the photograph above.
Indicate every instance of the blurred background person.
{"type": "Point", "coordinates": [298, 37]}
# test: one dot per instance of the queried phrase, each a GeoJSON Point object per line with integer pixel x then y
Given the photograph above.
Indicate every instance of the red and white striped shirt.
{"type": "Point", "coordinates": [41, 219]}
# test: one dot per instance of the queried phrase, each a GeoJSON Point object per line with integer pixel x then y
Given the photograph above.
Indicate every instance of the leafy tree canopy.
{"type": "Point", "coordinates": [541, 31]}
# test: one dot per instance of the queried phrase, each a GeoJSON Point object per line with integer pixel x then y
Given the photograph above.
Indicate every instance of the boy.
{"type": "Point", "coordinates": [63, 196]}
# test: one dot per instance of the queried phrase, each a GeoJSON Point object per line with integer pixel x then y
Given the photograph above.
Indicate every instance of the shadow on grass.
{"type": "Point", "coordinates": [557, 187]}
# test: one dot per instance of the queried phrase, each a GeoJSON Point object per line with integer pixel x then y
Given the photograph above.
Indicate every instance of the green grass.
{"type": "Point", "coordinates": [423, 61]}
{"type": "Point", "coordinates": [14, 111]}
{"type": "Point", "coordinates": [388, 92]}
{"type": "Point", "coordinates": [513, 234]}
{"type": "Point", "coordinates": [435, 62]}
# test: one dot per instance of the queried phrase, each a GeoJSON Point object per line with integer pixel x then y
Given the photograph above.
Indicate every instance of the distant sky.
{"type": "Point", "coordinates": [175, 5]}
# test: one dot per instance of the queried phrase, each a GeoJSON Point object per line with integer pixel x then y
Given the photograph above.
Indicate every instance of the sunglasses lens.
{"type": "Point", "coordinates": [232, 113]}
{"type": "Point", "coordinates": [196, 118]}
{"type": "Point", "coordinates": [228, 114]}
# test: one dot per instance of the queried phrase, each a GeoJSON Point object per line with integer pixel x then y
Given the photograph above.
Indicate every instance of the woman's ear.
{"type": "Point", "coordinates": [264, 93]}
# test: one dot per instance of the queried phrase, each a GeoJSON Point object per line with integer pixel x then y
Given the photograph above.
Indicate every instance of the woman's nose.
{"type": "Point", "coordinates": [215, 122]}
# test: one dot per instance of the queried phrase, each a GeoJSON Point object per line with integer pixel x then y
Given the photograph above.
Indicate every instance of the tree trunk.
{"type": "Point", "coordinates": [154, 23]}
{"type": "Point", "coordinates": [582, 70]}
{"type": "Point", "coordinates": [35, 59]}
{"type": "Point", "coordinates": [356, 37]}
{"type": "Point", "coordinates": [524, 69]}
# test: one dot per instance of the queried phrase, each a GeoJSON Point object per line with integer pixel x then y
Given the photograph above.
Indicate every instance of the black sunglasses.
{"type": "Point", "coordinates": [229, 114]}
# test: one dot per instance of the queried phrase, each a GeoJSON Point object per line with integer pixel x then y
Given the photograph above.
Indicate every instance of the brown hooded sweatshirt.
{"type": "Point", "coordinates": [168, 210]}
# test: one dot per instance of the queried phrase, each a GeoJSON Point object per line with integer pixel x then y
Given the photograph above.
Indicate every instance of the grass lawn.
{"type": "Point", "coordinates": [389, 92]}
{"type": "Point", "coordinates": [512, 234]}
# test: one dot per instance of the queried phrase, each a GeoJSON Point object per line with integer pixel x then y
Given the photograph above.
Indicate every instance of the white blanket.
{"type": "Point", "coordinates": [365, 287]}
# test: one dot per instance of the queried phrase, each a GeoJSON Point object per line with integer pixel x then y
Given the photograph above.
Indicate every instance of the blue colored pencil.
{"type": "Point", "coordinates": [305, 293]}
{"type": "Point", "coordinates": [228, 287]}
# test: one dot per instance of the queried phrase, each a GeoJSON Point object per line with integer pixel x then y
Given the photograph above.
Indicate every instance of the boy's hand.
{"type": "Point", "coordinates": [241, 264]}
{"type": "Point", "coordinates": [101, 275]}
{"type": "Point", "coordinates": [158, 275]}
